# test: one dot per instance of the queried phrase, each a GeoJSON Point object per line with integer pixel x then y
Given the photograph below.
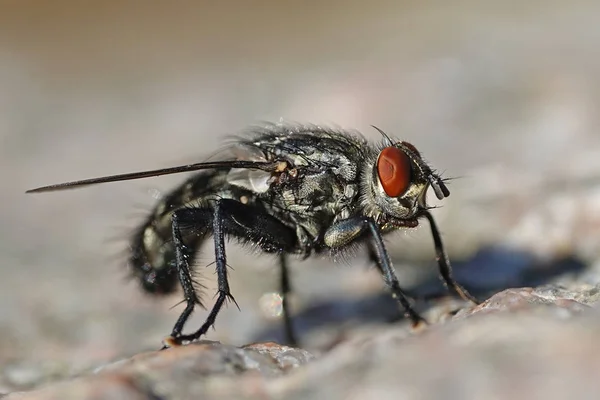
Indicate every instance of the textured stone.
{"type": "Point", "coordinates": [202, 368]}
{"type": "Point", "coordinates": [520, 343]}
{"type": "Point", "coordinates": [559, 300]}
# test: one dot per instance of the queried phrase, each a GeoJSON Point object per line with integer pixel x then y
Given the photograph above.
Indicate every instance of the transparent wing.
{"type": "Point", "coordinates": [268, 166]}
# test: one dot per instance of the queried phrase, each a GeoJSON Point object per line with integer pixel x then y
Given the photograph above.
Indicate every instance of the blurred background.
{"type": "Point", "coordinates": [501, 95]}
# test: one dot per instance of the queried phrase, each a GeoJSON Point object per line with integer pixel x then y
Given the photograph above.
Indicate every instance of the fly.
{"type": "Point", "coordinates": [288, 190]}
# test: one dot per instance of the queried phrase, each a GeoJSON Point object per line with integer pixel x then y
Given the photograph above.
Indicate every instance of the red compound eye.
{"type": "Point", "coordinates": [394, 170]}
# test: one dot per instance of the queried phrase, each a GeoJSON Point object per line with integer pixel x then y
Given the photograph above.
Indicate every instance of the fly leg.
{"type": "Point", "coordinates": [229, 217]}
{"type": "Point", "coordinates": [444, 263]}
{"type": "Point", "coordinates": [372, 255]}
{"type": "Point", "coordinates": [286, 289]}
{"type": "Point", "coordinates": [198, 216]}
{"type": "Point", "coordinates": [186, 216]}
{"type": "Point", "coordinates": [347, 231]}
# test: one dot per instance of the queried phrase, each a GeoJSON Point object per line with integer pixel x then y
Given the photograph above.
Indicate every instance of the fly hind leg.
{"type": "Point", "coordinates": [228, 217]}
{"type": "Point", "coordinates": [192, 217]}
{"type": "Point", "coordinates": [286, 290]}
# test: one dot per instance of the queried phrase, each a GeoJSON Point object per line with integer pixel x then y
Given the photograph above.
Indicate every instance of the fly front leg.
{"type": "Point", "coordinates": [444, 263]}
{"type": "Point", "coordinates": [347, 231]}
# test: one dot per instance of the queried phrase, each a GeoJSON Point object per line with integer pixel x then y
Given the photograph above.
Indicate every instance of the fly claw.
{"type": "Point", "coordinates": [288, 190]}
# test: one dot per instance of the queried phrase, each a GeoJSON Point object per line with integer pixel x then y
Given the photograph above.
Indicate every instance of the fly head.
{"type": "Point", "coordinates": [397, 184]}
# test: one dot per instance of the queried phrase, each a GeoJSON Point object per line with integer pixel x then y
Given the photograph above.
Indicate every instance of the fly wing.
{"type": "Point", "coordinates": [256, 180]}
{"type": "Point", "coordinates": [261, 165]}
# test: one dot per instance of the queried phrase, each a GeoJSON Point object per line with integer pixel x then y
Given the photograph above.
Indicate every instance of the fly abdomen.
{"type": "Point", "coordinates": [152, 263]}
{"type": "Point", "coordinates": [152, 258]}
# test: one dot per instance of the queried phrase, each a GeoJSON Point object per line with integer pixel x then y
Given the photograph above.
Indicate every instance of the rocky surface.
{"type": "Point", "coordinates": [199, 369]}
{"type": "Point", "coordinates": [520, 343]}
